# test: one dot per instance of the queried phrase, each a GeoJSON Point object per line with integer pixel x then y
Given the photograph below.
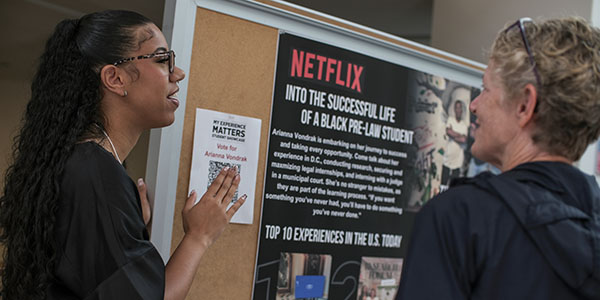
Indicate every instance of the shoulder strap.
{"type": "Point", "coordinates": [552, 226]}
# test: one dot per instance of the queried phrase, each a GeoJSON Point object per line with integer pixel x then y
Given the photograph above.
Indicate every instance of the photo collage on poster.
{"type": "Point", "coordinates": [379, 278]}
{"type": "Point", "coordinates": [303, 275]}
{"type": "Point", "coordinates": [357, 146]}
{"type": "Point", "coordinates": [439, 114]}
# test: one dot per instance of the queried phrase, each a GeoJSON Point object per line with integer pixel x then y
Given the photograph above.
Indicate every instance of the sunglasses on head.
{"type": "Point", "coordinates": [520, 24]}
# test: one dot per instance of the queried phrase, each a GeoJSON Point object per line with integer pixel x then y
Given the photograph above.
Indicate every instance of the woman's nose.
{"type": "Point", "coordinates": [473, 104]}
{"type": "Point", "coordinates": [177, 75]}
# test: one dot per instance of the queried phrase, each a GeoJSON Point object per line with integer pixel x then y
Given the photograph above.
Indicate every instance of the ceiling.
{"type": "Point", "coordinates": [27, 24]}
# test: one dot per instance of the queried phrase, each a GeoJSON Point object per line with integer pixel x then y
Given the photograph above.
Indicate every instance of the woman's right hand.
{"type": "Point", "coordinates": [205, 221]}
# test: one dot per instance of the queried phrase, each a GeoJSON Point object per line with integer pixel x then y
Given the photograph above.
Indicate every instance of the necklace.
{"type": "Point", "coordinates": [113, 146]}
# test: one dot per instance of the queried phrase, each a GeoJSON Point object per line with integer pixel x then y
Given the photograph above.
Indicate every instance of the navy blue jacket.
{"type": "Point", "coordinates": [529, 233]}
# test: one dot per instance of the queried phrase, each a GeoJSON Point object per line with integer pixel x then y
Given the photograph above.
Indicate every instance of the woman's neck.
{"type": "Point", "coordinates": [524, 150]}
{"type": "Point", "coordinates": [119, 142]}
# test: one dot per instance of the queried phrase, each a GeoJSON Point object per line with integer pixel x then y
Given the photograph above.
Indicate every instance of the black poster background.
{"type": "Point", "coordinates": [382, 83]}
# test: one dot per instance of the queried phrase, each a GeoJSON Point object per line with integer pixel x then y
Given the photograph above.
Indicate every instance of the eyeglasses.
{"type": "Point", "coordinates": [519, 23]}
{"type": "Point", "coordinates": [169, 55]}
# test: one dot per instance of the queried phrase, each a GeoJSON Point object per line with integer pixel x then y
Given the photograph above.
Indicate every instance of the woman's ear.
{"type": "Point", "coordinates": [113, 79]}
{"type": "Point", "coordinates": [526, 105]}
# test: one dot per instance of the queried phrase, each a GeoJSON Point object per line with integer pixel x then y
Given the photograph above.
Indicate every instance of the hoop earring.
{"type": "Point", "coordinates": [124, 93]}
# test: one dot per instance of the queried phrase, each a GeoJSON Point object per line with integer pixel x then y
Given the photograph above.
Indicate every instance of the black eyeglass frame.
{"type": "Point", "coordinates": [519, 23]}
{"type": "Point", "coordinates": [170, 54]}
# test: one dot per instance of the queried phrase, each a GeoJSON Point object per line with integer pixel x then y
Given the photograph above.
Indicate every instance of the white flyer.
{"type": "Point", "coordinates": [220, 140]}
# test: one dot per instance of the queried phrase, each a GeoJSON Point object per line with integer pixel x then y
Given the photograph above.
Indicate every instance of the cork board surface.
{"type": "Point", "coordinates": [232, 71]}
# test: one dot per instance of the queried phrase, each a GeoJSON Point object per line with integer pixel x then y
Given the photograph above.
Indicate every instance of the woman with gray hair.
{"type": "Point", "coordinates": [532, 232]}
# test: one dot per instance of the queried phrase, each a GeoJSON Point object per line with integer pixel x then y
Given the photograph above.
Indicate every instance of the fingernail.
{"type": "Point", "coordinates": [192, 192]}
{"type": "Point", "coordinates": [244, 197]}
{"type": "Point", "coordinates": [140, 182]}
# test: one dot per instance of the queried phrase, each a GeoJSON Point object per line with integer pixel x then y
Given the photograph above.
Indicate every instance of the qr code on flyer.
{"type": "Point", "coordinates": [214, 167]}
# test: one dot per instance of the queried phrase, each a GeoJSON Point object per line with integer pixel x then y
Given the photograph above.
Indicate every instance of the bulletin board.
{"type": "Point", "coordinates": [231, 65]}
{"type": "Point", "coordinates": [240, 56]}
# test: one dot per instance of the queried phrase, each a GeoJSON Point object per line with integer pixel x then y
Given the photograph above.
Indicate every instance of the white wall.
{"type": "Point", "coordinates": [468, 27]}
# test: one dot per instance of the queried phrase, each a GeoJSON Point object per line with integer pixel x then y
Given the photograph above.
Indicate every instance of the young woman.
{"type": "Point", "coordinates": [71, 219]}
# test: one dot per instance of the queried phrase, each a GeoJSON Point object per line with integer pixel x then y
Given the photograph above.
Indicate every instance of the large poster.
{"type": "Point", "coordinates": [357, 145]}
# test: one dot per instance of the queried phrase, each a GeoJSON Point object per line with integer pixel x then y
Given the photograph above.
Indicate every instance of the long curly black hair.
{"type": "Point", "coordinates": [64, 109]}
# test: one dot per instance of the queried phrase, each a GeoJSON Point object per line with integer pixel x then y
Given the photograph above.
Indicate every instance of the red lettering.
{"type": "Point", "coordinates": [308, 65]}
{"type": "Point", "coordinates": [338, 73]}
{"type": "Point", "coordinates": [304, 65]}
{"type": "Point", "coordinates": [348, 74]}
{"type": "Point", "coordinates": [330, 70]}
{"type": "Point", "coordinates": [297, 61]}
{"type": "Point", "coordinates": [321, 60]}
{"type": "Point", "coordinates": [356, 83]}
